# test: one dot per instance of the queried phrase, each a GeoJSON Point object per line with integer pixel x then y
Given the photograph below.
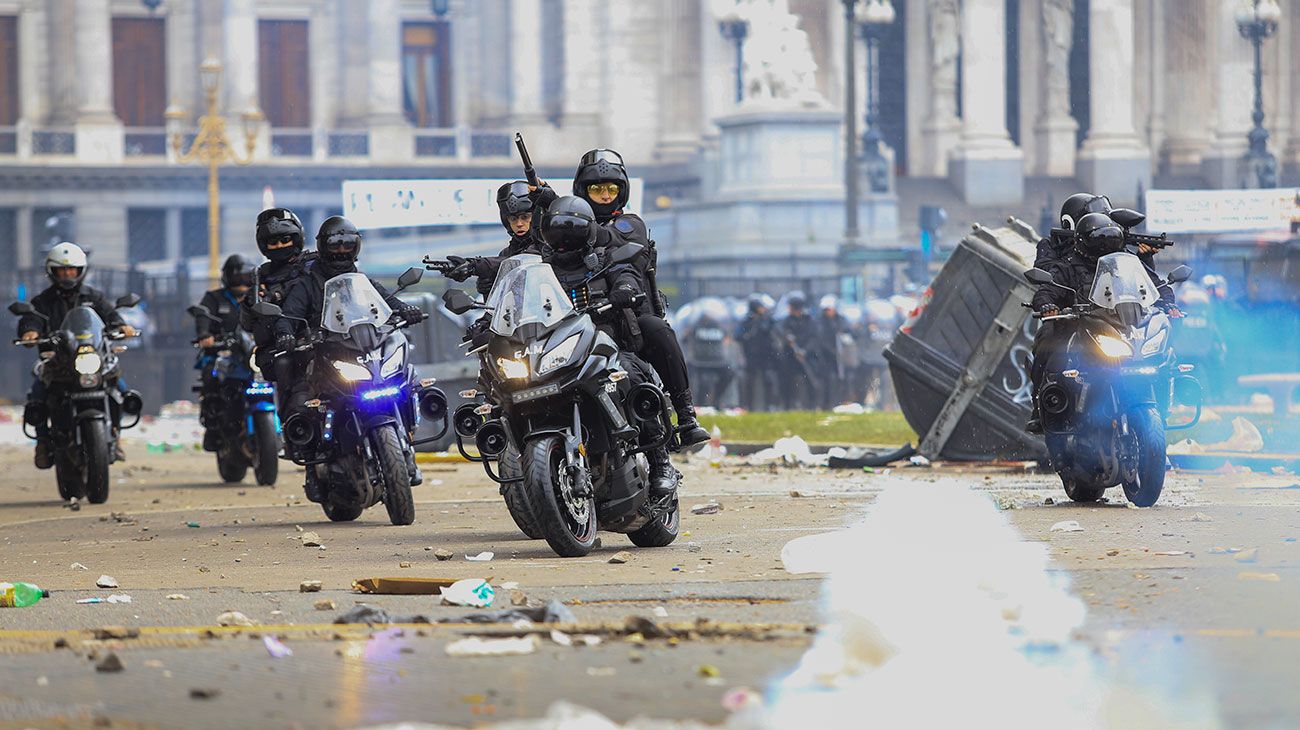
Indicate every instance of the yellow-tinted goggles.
{"type": "Point", "coordinates": [603, 188]}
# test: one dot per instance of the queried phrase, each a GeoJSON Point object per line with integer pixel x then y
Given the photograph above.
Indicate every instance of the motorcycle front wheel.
{"type": "Point", "coordinates": [516, 496]}
{"type": "Point", "coordinates": [397, 480]}
{"type": "Point", "coordinates": [1149, 427]}
{"type": "Point", "coordinates": [231, 464]}
{"type": "Point", "coordinates": [94, 440]}
{"type": "Point", "coordinates": [266, 448]}
{"type": "Point", "coordinates": [567, 521]}
{"type": "Point", "coordinates": [68, 476]}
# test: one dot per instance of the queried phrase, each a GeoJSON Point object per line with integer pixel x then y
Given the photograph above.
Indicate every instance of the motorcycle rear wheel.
{"type": "Point", "coordinates": [397, 480]}
{"type": "Point", "coordinates": [94, 440]}
{"type": "Point", "coordinates": [567, 523]}
{"type": "Point", "coordinates": [1149, 427]}
{"type": "Point", "coordinates": [267, 454]}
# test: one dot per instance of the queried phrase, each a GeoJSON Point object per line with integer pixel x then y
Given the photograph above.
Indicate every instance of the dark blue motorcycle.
{"type": "Point", "coordinates": [238, 409]}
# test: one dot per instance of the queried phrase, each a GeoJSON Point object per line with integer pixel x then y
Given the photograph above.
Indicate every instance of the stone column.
{"type": "Point", "coordinates": [1187, 67]}
{"type": "Point", "coordinates": [33, 74]}
{"type": "Point", "coordinates": [1113, 161]}
{"type": "Point", "coordinates": [182, 62]}
{"type": "Point", "coordinates": [239, 78]}
{"type": "Point", "coordinates": [354, 68]}
{"type": "Point", "coordinates": [526, 106]}
{"type": "Point", "coordinates": [582, 84]}
{"type": "Point", "coordinates": [941, 129]}
{"type": "Point", "coordinates": [985, 167]}
{"type": "Point", "coordinates": [679, 81]}
{"type": "Point", "coordinates": [98, 130]}
{"type": "Point", "coordinates": [1234, 97]}
{"type": "Point", "coordinates": [1054, 129]}
{"type": "Point", "coordinates": [60, 63]}
{"type": "Point", "coordinates": [392, 139]}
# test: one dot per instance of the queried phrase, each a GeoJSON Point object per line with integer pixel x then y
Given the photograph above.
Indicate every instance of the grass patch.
{"type": "Point", "coordinates": [816, 427]}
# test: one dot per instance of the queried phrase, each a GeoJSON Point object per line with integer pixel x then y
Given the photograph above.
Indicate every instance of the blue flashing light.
{"type": "Point", "coordinates": [388, 392]}
{"type": "Point", "coordinates": [260, 389]}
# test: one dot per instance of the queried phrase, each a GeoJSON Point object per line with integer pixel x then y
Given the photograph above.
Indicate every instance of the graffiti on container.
{"type": "Point", "coordinates": [1017, 384]}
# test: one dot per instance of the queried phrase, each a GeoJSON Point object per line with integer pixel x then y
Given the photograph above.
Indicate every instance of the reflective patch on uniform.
{"type": "Point", "coordinates": [623, 225]}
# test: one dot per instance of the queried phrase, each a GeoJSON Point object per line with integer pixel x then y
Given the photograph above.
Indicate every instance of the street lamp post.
{"type": "Point", "coordinates": [872, 20]}
{"type": "Point", "coordinates": [734, 27]}
{"type": "Point", "coordinates": [212, 147]}
{"type": "Point", "coordinates": [1257, 20]}
{"type": "Point", "coordinates": [850, 129]}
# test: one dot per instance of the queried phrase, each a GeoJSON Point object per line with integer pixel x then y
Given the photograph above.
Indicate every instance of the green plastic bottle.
{"type": "Point", "coordinates": [20, 595]}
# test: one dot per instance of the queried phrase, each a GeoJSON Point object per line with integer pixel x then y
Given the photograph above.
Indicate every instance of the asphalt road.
{"type": "Point", "coordinates": [1178, 604]}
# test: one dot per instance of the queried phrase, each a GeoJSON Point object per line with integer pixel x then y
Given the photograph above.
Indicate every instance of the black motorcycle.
{"type": "Point", "coordinates": [357, 433]}
{"type": "Point", "coordinates": [240, 408]}
{"type": "Point", "coordinates": [560, 419]}
{"type": "Point", "coordinates": [1104, 414]}
{"type": "Point", "coordinates": [80, 369]}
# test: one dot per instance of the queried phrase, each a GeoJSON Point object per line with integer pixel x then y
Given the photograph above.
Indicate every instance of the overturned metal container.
{"type": "Point", "coordinates": [960, 364]}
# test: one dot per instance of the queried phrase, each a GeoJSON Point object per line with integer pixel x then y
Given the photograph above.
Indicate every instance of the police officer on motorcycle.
{"type": "Point", "coordinates": [280, 239]}
{"type": "Point", "coordinates": [66, 267]}
{"type": "Point", "coordinates": [518, 211]}
{"type": "Point", "coordinates": [569, 233]}
{"type": "Point", "coordinates": [602, 181]}
{"type": "Point", "coordinates": [224, 305]}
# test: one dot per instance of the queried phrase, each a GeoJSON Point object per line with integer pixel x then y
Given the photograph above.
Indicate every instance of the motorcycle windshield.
{"type": "Point", "coordinates": [1122, 279]}
{"type": "Point", "coordinates": [503, 271]}
{"type": "Point", "coordinates": [527, 294]}
{"type": "Point", "coordinates": [85, 325]}
{"type": "Point", "coordinates": [350, 300]}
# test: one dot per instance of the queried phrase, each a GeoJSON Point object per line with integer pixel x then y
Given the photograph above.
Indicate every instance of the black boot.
{"type": "Point", "coordinates": [688, 427]}
{"type": "Point", "coordinates": [413, 470]}
{"type": "Point", "coordinates": [211, 439]}
{"type": "Point", "coordinates": [664, 478]}
{"type": "Point", "coordinates": [44, 453]}
{"type": "Point", "coordinates": [312, 486]}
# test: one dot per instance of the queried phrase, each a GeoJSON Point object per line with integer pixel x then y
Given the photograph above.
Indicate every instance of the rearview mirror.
{"type": "Point", "coordinates": [128, 301]}
{"type": "Point", "coordinates": [266, 309]}
{"type": "Point", "coordinates": [410, 278]}
{"type": "Point", "coordinates": [20, 308]}
{"type": "Point", "coordinates": [457, 301]}
{"type": "Point", "coordinates": [1038, 276]}
{"type": "Point", "coordinates": [1181, 273]}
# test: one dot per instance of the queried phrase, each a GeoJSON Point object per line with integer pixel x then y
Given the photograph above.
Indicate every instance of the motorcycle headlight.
{"type": "Point", "coordinates": [351, 371]}
{"type": "Point", "coordinates": [1113, 346]}
{"type": "Point", "coordinates": [88, 363]}
{"type": "Point", "coordinates": [1154, 344]}
{"type": "Point", "coordinates": [393, 363]}
{"type": "Point", "coordinates": [559, 355]}
{"type": "Point", "coordinates": [512, 369]}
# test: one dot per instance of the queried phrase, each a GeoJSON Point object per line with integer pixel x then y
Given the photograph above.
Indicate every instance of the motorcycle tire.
{"type": "Point", "coordinates": [231, 465]}
{"type": "Point", "coordinates": [341, 512]}
{"type": "Point", "coordinates": [1150, 430]}
{"type": "Point", "coordinates": [569, 526]}
{"type": "Point", "coordinates": [266, 465]}
{"type": "Point", "coordinates": [68, 476]}
{"type": "Point", "coordinates": [516, 496]}
{"type": "Point", "coordinates": [1074, 489]}
{"type": "Point", "coordinates": [94, 441]}
{"type": "Point", "coordinates": [397, 480]}
{"type": "Point", "coordinates": [659, 532]}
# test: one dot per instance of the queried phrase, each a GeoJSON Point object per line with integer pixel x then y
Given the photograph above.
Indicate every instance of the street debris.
{"type": "Point", "coordinates": [192, 525]}
{"type": "Point", "coordinates": [708, 671]}
{"type": "Point", "coordinates": [309, 586]}
{"type": "Point", "coordinates": [919, 460]}
{"type": "Point", "coordinates": [1171, 553]}
{"type": "Point", "coordinates": [475, 646]}
{"type": "Point", "coordinates": [106, 581]}
{"type": "Point", "coordinates": [1067, 526]}
{"type": "Point", "coordinates": [794, 451]}
{"type": "Point", "coordinates": [552, 613]}
{"type": "Point", "coordinates": [471, 592]}
{"type": "Point", "coordinates": [1112, 553]}
{"type": "Point", "coordinates": [1245, 437]}
{"type": "Point", "coordinates": [712, 507]}
{"type": "Point", "coordinates": [1200, 517]}
{"type": "Point", "coordinates": [1267, 577]}
{"type": "Point", "coordinates": [620, 557]}
{"type": "Point", "coordinates": [364, 613]}
{"type": "Point", "coordinates": [740, 699]}
{"type": "Point", "coordinates": [78, 566]}
{"type": "Point", "coordinates": [660, 612]}
{"type": "Point", "coordinates": [482, 557]}
{"type": "Point", "coordinates": [276, 648]}
{"type": "Point", "coordinates": [1225, 550]}
{"type": "Point", "coordinates": [204, 693]}
{"type": "Point", "coordinates": [404, 564]}
{"type": "Point", "coordinates": [115, 632]}
{"type": "Point", "coordinates": [402, 586]}
{"type": "Point", "coordinates": [177, 597]}
{"type": "Point", "coordinates": [310, 539]}
{"type": "Point", "coordinates": [1247, 556]}
{"type": "Point", "coordinates": [443, 554]}
{"type": "Point", "coordinates": [110, 663]}
{"type": "Point", "coordinates": [325, 604]}
{"type": "Point", "coordinates": [234, 618]}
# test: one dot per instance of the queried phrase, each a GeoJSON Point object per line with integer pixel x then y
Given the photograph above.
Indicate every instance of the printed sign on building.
{"type": "Point", "coordinates": [1222, 211]}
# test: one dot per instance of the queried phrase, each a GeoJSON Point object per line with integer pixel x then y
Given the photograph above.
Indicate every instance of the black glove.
{"type": "Point", "coordinates": [285, 343]}
{"type": "Point", "coordinates": [411, 313]}
{"type": "Point", "coordinates": [543, 197]}
{"type": "Point", "coordinates": [622, 297]}
{"type": "Point", "coordinates": [462, 268]}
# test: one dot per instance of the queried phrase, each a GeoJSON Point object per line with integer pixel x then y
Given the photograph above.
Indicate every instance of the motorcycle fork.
{"type": "Point", "coordinates": [574, 451]}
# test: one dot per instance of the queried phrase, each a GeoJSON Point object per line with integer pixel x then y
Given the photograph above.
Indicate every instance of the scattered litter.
{"type": "Point", "coordinates": [482, 557]}
{"type": "Point", "coordinates": [919, 460]}
{"type": "Point", "coordinates": [798, 494]}
{"type": "Point", "coordinates": [110, 663]}
{"type": "Point", "coordinates": [1067, 526]}
{"type": "Point", "coordinates": [403, 564]}
{"type": "Point", "coordinates": [709, 508]}
{"type": "Point", "coordinates": [325, 604]}
{"type": "Point", "coordinates": [310, 539]}
{"type": "Point", "coordinates": [204, 693]}
{"type": "Point", "coordinates": [620, 557]}
{"type": "Point", "coordinates": [1225, 550]}
{"type": "Point", "coordinates": [1200, 517]}
{"type": "Point", "coordinates": [1245, 437]}
{"type": "Point", "coordinates": [106, 581]}
{"type": "Point", "coordinates": [1112, 553]}
{"type": "Point", "coordinates": [472, 592]}
{"type": "Point", "coordinates": [115, 632]}
{"type": "Point", "coordinates": [119, 598]}
{"type": "Point", "coordinates": [364, 613]}
{"type": "Point", "coordinates": [601, 671]}
{"type": "Point", "coordinates": [87, 601]}
{"type": "Point", "coordinates": [192, 524]}
{"type": "Point", "coordinates": [660, 612]}
{"type": "Point", "coordinates": [276, 648]}
{"type": "Point", "coordinates": [1247, 556]}
{"type": "Point", "coordinates": [177, 597]}
{"type": "Point", "coordinates": [78, 566]}
{"type": "Point", "coordinates": [708, 671]}
{"type": "Point", "coordinates": [443, 554]}
{"type": "Point", "coordinates": [1171, 553]}
{"type": "Point", "coordinates": [741, 698]}
{"type": "Point", "coordinates": [234, 618]}
{"type": "Point", "coordinates": [552, 613]}
{"type": "Point", "coordinates": [475, 646]}
{"type": "Point", "coordinates": [1267, 577]}
{"type": "Point", "coordinates": [793, 450]}
{"type": "Point", "coordinates": [518, 598]}
{"type": "Point", "coordinates": [510, 585]}
{"type": "Point", "coordinates": [309, 586]}
{"type": "Point", "coordinates": [402, 586]}
{"type": "Point", "coordinates": [849, 409]}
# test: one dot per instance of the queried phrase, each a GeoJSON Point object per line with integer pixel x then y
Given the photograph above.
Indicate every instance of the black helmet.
{"type": "Point", "coordinates": [569, 226]}
{"type": "Point", "coordinates": [602, 166]}
{"type": "Point", "coordinates": [796, 300]}
{"type": "Point", "coordinates": [1098, 236]}
{"type": "Point", "coordinates": [277, 227]}
{"type": "Point", "coordinates": [512, 199]}
{"type": "Point", "coordinates": [760, 301]}
{"type": "Point", "coordinates": [1078, 205]}
{"type": "Point", "coordinates": [237, 271]}
{"type": "Point", "coordinates": [338, 243]}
